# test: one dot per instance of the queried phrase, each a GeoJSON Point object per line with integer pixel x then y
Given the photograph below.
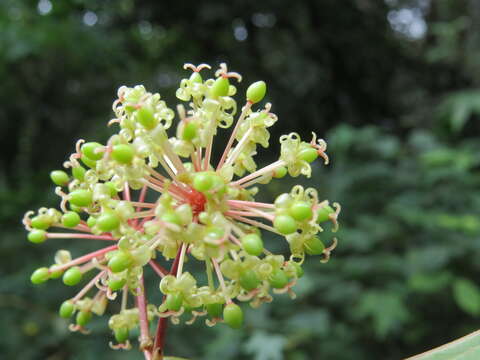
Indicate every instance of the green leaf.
{"type": "Point", "coordinates": [264, 346]}
{"type": "Point", "coordinates": [465, 348]}
{"type": "Point", "coordinates": [467, 296]}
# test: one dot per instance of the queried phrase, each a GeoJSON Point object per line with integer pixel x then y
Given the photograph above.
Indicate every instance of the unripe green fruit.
{"type": "Point", "coordinates": [214, 310]}
{"type": "Point", "coordinates": [72, 276]}
{"type": "Point", "coordinates": [77, 209]}
{"type": "Point", "coordinates": [121, 335]}
{"type": "Point", "coordinates": [66, 309]}
{"type": "Point", "coordinates": [55, 274]}
{"type": "Point", "coordinates": [59, 177]}
{"type": "Point", "coordinates": [233, 316]}
{"type": "Point", "coordinates": [70, 219]}
{"type": "Point", "coordinates": [203, 181]}
{"type": "Point", "coordinates": [278, 279]}
{"type": "Point", "coordinates": [111, 187]}
{"type": "Point", "coordinates": [196, 77]}
{"type": "Point", "coordinates": [116, 284]}
{"type": "Point", "coordinates": [83, 317]}
{"type": "Point", "coordinates": [174, 301]}
{"type": "Point", "coordinates": [37, 236]}
{"type": "Point", "coordinates": [249, 280]}
{"type": "Point", "coordinates": [253, 244]}
{"type": "Point", "coordinates": [256, 91]}
{"type": "Point", "coordinates": [89, 162]}
{"type": "Point", "coordinates": [146, 118]}
{"type": "Point", "coordinates": [220, 87]}
{"type": "Point", "coordinates": [91, 221]}
{"type": "Point", "coordinates": [39, 222]}
{"type": "Point", "coordinates": [40, 275]}
{"type": "Point", "coordinates": [309, 154]}
{"type": "Point", "coordinates": [285, 224]}
{"type": "Point", "coordinates": [189, 131]}
{"type": "Point", "coordinates": [314, 246]}
{"type": "Point", "coordinates": [123, 153]}
{"type": "Point", "coordinates": [324, 213]}
{"type": "Point", "coordinates": [119, 261]}
{"type": "Point", "coordinates": [108, 221]}
{"type": "Point", "coordinates": [82, 198]}
{"type": "Point", "coordinates": [171, 217]}
{"type": "Point", "coordinates": [88, 149]}
{"type": "Point", "coordinates": [78, 173]}
{"type": "Point", "coordinates": [280, 172]}
{"type": "Point", "coordinates": [301, 210]}
{"type": "Point", "coordinates": [299, 269]}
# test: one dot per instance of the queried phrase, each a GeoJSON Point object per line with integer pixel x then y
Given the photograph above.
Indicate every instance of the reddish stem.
{"type": "Point", "coordinates": [84, 258]}
{"type": "Point", "coordinates": [79, 236]}
{"type": "Point", "coordinates": [163, 322]}
{"type": "Point", "coordinates": [159, 269]}
{"type": "Point", "coordinates": [143, 316]}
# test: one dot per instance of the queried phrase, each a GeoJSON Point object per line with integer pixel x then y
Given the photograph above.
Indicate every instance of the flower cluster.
{"type": "Point", "coordinates": [197, 210]}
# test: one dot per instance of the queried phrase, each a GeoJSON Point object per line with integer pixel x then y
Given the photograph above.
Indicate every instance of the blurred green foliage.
{"type": "Point", "coordinates": [399, 109]}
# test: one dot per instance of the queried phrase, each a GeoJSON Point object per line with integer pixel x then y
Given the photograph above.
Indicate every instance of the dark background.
{"type": "Point", "coordinates": [394, 88]}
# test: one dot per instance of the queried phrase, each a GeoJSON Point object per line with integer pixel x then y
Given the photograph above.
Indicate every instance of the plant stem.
{"type": "Point", "coordinates": [159, 341]}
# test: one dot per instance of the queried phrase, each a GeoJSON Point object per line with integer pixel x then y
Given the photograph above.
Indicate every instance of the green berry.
{"type": "Point", "coordinates": [40, 222]}
{"type": "Point", "coordinates": [83, 317]}
{"type": "Point", "coordinates": [256, 91]}
{"type": "Point", "coordinates": [37, 236]}
{"type": "Point", "coordinates": [77, 209]}
{"type": "Point", "coordinates": [82, 198]}
{"type": "Point", "coordinates": [314, 246]}
{"type": "Point", "coordinates": [116, 284]}
{"type": "Point", "coordinates": [214, 310]}
{"type": "Point", "coordinates": [66, 309]}
{"type": "Point", "coordinates": [111, 188]}
{"type": "Point", "coordinates": [123, 153]}
{"type": "Point", "coordinates": [70, 219]}
{"type": "Point", "coordinates": [203, 181]}
{"type": "Point", "coordinates": [119, 261]}
{"type": "Point", "coordinates": [285, 224]}
{"type": "Point", "coordinates": [299, 269]}
{"type": "Point", "coordinates": [253, 244]}
{"type": "Point", "coordinates": [233, 316]}
{"type": "Point", "coordinates": [91, 221]}
{"type": "Point", "coordinates": [121, 334]}
{"type": "Point", "coordinates": [280, 172]}
{"type": "Point", "coordinates": [72, 276]}
{"type": "Point", "coordinates": [59, 177]}
{"type": "Point", "coordinates": [309, 154]}
{"type": "Point", "coordinates": [174, 301]}
{"type": "Point", "coordinates": [108, 221]}
{"type": "Point", "coordinates": [171, 217]}
{"type": "Point", "coordinates": [78, 173]}
{"type": "Point", "coordinates": [146, 118]}
{"type": "Point", "coordinates": [89, 150]}
{"type": "Point", "coordinates": [40, 275]}
{"type": "Point", "coordinates": [301, 210]}
{"type": "Point", "coordinates": [324, 213]}
{"type": "Point", "coordinates": [55, 274]}
{"type": "Point", "coordinates": [249, 280]}
{"type": "Point", "coordinates": [220, 87]}
{"type": "Point", "coordinates": [278, 279]}
{"type": "Point", "coordinates": [92, 164]}
{"type": "Point", "coordinates": [189, 131]}
{"type": "Point", "coordinates": [196, 77]}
